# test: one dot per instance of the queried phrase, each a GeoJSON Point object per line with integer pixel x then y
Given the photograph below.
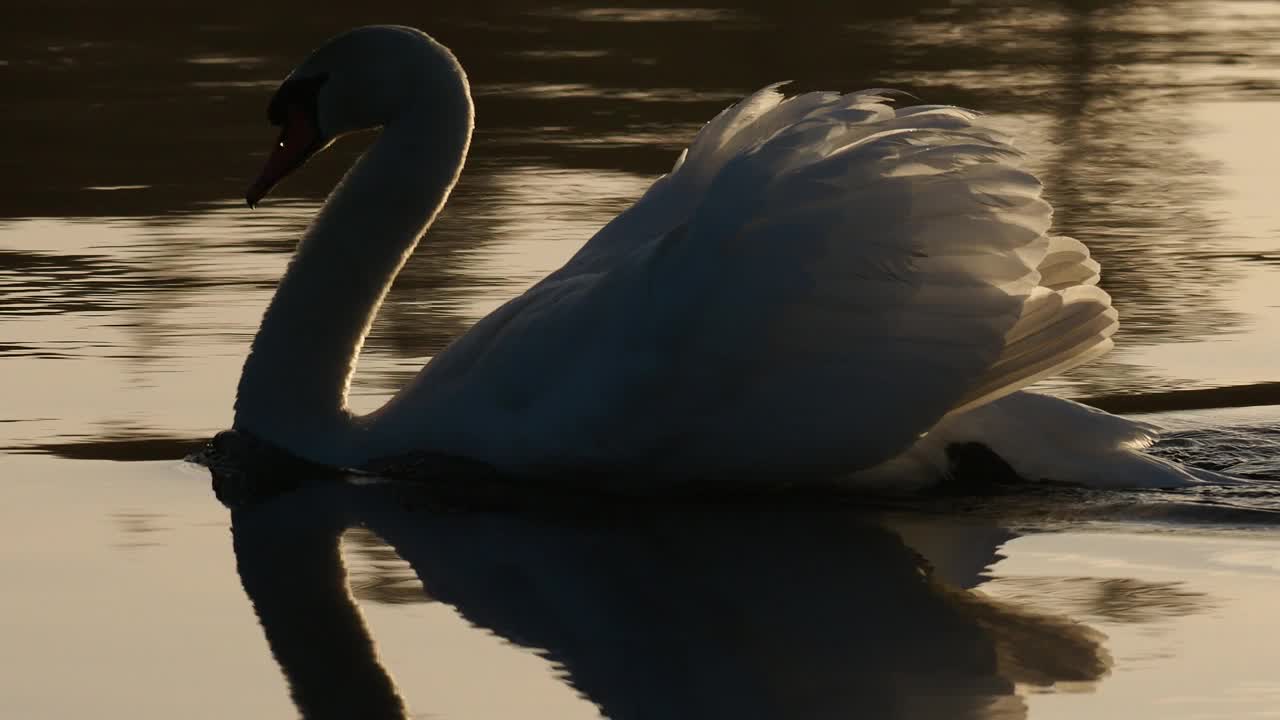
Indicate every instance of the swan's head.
{"type": "Point", "coordinates": [361, 79]}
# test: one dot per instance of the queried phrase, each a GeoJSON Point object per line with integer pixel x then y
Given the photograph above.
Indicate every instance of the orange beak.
{"type": "Point", "coordinates": [299, 140]}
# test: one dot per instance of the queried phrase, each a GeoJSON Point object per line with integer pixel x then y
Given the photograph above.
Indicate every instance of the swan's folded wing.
{"type": "Point", "coordinates": [854, 274]}
{"type": "Point", "coordinates": [673, 198]}
{"type": "Point", "coordinates": [816, 284]}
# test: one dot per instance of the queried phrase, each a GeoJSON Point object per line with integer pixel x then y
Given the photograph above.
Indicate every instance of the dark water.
{"type": "Point", "coordinates": [132, 278]}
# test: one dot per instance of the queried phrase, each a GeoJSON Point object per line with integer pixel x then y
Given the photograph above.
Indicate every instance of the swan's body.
{"type": "Point", "coordinates": [823, 285]}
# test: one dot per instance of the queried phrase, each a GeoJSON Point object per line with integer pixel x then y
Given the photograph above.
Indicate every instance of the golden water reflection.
{"type": "Point", "coordinates": [132, 278]}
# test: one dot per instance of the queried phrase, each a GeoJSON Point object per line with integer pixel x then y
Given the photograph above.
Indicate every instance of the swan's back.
{"type": "Point", "coordinates": [817, 282]}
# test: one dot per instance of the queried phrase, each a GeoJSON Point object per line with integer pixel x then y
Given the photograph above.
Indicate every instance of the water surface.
{"type": "Point", "coordinates": [132, 278]}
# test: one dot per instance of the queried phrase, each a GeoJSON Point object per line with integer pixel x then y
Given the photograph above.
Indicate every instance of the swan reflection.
{"type": "Point", "coordinates": [689, 610]}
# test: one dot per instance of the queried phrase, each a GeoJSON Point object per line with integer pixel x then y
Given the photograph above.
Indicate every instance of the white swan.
{"type": "Point", "coordinates": [822, 285]}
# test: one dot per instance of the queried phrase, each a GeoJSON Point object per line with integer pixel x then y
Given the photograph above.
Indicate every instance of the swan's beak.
{"type": "Point", "coordinates": [299, 140]}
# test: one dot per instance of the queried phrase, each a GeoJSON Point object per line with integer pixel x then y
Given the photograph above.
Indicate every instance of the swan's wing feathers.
{"type": "Point", "coordinates": [817, 282]}
{"type": "Point", "coordinates": [673, 198]}
{"type": "Point", "coordinates": [1066, 322]}
{"type": "Point", "coordinates": [853, 273]}
{"type": "Point", "coordinates": [1067, 263]}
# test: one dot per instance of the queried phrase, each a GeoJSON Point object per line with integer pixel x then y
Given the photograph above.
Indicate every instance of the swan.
{"type": "Point", "coordinates": [826, 285]}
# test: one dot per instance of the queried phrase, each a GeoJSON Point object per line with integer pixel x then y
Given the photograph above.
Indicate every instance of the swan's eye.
{"type": "Point", "coordinates": [281, 143]}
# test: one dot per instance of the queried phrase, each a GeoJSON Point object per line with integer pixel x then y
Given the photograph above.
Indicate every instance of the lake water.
{"type": "Point", "coordinates": [132, 278]}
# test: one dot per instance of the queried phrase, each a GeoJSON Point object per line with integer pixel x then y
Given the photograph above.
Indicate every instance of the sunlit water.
{"type": "Point", "coordinates": [132, 278]}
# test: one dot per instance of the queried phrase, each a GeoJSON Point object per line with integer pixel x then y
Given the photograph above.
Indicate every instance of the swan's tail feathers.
{"type": "Point", "coordinates": [1042, 437]}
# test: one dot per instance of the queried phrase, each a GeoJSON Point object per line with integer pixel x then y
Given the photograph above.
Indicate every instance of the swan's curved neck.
{"type": "Point", "coordinates": [293, 390]}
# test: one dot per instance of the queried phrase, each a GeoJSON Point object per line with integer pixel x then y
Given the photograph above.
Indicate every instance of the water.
{"type": "Point", "coordinates": [132, 277]}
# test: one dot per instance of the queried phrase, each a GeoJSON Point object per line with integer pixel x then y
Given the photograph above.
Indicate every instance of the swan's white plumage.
{"type": "Point", "coordinates": [822, 285]}
{"type": "Point", "coordinates": [1042, 437]}
{"type": "Point", "coordinates": [818, 281]}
